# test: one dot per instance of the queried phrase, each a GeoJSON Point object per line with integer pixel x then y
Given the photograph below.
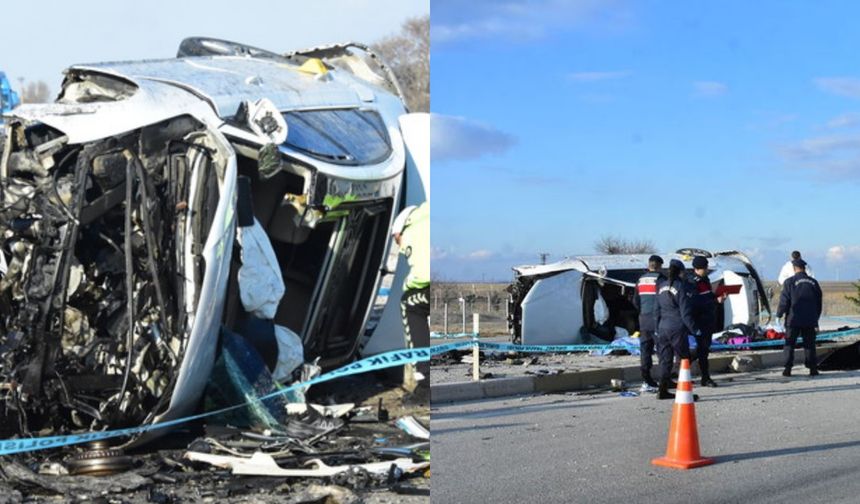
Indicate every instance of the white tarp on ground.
{"type": "Point", "coordinates": [552, 310]}
{"type": "Point", "coordinates": [261, 286]}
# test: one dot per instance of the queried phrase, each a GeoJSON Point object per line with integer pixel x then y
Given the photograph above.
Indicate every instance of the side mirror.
{"type": "Point", "coordinates": [264, 120]}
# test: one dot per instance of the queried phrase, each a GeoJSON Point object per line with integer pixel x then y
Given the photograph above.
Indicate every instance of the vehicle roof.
{"type": "Point", "coordinates": [226, 81]}
{"type": "Point", "coordinates": [608, 263]}
{"type": "Point", "coordinates": [209, 88]}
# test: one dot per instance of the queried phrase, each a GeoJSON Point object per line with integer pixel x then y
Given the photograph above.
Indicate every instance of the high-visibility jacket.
{"type": "Point", "coordinates": [415, 245]}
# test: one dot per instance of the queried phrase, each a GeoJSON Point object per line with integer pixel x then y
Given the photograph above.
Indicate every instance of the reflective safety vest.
{"type": "Point", "coordinates": [415, 245]}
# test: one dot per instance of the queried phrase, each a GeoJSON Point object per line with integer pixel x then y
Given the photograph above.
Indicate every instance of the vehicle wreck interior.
{"type": "Point", "coordinates": [618, 300]}
{"type": "Point", "coordinates": [81, 261]}
{"type": "Point", "coordinates": [127, 246]}
{"type": "Point", "coordinates": [95, 297]}
{"type": "Point", "coordinates": [118, 251]}
{"type": "Point", "coordinates": [607, 302]}
{"type": "Point", "coordinates": [328, 260]}
{"type": "Point", "coordinates": [619, 303]}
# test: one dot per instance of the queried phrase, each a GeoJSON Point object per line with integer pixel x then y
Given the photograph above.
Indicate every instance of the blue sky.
{"type": "Point", "coordinates": [719, 125]}
{"type": "Point", "coordinates": [39, 41]}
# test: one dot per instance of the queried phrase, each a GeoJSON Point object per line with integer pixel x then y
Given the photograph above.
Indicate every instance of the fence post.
{"type": "Point", "coordinates": [445, 323]}
{"type": "Point", "coordinates": [463, 311]}
{"type": "Point", "coordinates": [476, 364]}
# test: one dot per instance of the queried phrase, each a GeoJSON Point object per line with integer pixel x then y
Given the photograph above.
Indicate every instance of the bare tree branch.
{"type": "Point", "coordinates": [35, 92]}
{"type": "Point", "coordinates": [408, 55]}
{"type": "Point", "coordinates": [613, 245]}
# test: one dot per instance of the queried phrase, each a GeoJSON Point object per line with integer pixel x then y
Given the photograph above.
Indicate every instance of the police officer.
{"type": "Point", "coordinates": [644, 299]}
{"type": "Point", "coordinates": [800, 302]}
{"type": "Point", "coordinates": [705, 316]}
{"type": "Point", "coordinates": [411, 231]}
{"type": "Point", "coordinates": [674, 320]}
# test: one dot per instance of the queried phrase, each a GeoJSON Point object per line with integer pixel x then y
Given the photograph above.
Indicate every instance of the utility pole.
{"type": "Point", "coordinates": [543, 256]}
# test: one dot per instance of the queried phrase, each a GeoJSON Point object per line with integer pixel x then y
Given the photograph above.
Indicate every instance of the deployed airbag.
{"type": "Point", "coordinates": [261, 286]}
{"type": "Point", "coordinates": [290, 353]}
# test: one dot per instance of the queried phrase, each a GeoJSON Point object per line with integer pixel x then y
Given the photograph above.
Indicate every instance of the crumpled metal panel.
{"type": "Point", "coordinates": [228, 80]}
{"type": "Point", "coordinates": [86, 122]}
{"type": "Point", "coordinates": [599, 263]}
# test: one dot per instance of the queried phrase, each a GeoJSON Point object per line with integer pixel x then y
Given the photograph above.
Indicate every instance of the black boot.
{"type": "Point", "coordinates": [663, 390]}
{"type": "Point", "coordinates": [646, 377]}
{"type": "Point", "coordinates": [708, 382]}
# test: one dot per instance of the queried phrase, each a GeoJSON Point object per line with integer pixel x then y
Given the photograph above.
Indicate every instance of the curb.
{"type": "Point", "coordinates": [594, 378]}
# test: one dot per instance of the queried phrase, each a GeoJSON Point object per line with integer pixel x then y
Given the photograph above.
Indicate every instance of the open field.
{"type": "Point", "coordinates": [489, 300]}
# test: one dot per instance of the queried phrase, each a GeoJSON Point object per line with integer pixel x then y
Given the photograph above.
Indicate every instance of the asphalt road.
{"type": "Point", "coordinates": [774, 439]}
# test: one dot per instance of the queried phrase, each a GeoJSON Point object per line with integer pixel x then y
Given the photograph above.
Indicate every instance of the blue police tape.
{"type": "Point", "coordinates": [510, 347]}
{"type": "Point", "coordinates": [447, 347]}
{"type": "Point", "coordinates": [381, 361]}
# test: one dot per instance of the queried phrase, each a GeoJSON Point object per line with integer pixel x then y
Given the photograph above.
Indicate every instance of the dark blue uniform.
{"type": "Point", "coordinates": [673, 315]}
{"type": "Point", "coordinates": [800, 302]}
{"type": "Point", "coordinates": [645, 301]}
{"type": "Point", "coordinates": [704, 303]}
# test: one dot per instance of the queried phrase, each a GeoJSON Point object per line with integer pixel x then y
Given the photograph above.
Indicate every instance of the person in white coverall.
{"type": "Point", "coordinates": [787, 270]}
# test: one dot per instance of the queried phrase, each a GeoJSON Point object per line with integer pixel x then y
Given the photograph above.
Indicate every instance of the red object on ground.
{"type": "Point", "coordinates": [772, 334]}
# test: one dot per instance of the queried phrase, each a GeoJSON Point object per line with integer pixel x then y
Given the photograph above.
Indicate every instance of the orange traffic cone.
{"type": "Point", "coordinates": [682, 451]}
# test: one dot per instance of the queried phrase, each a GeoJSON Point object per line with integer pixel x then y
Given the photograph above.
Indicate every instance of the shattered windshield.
{"type": "Point", "coordinates": [345, 136]}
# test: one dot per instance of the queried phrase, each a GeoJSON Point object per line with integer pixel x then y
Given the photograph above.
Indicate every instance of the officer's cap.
{"type": "Point", "coordinates": [799, 263]}
{"type": "Point", "coordinates": [700, 262]}
{"type": "Point", "coordinates": [655, 259]}
{"type": "Point", "coordinates": [674, 263]}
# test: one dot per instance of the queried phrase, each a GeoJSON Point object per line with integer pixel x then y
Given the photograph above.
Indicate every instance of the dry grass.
{"type": "Point", "coordinates": [835, 302]}
{"type": "Point", "coordinates": [493, 320]}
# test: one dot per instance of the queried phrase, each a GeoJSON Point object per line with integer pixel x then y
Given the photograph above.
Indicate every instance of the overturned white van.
{"type": "Point", "coordinates": [583, 299]}
{"type": "Point", "coordinates": [121, 202]}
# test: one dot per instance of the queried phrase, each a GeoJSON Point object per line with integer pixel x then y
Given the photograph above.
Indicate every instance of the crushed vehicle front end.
{"type": "Point", "coordinates": [121, 203]}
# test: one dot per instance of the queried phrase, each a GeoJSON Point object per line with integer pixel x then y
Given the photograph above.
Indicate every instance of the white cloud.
{"type": "Point", "coordinates": [835, 155]}
{"type": "Point", "coordinates": [709, 89]}
{"type": "Point", "coordinates": [843, 121]}
{"type": "Point", "coordinates": [841, 86]}
{"type": "Point", "coordinates": [481, 254]}
{"type": "Point", "coordinates": [841, 253]}
{"type": "Point", "coordinates": [459, 138]}
{"type": "Point", "coordinates": [818, 147]}
{"type": "Point", "coordinates": [437, 253]}
{"type": "Point", "coordinates": [596, 76]}
{"type": "Point", "coordinates": [455, 20]}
